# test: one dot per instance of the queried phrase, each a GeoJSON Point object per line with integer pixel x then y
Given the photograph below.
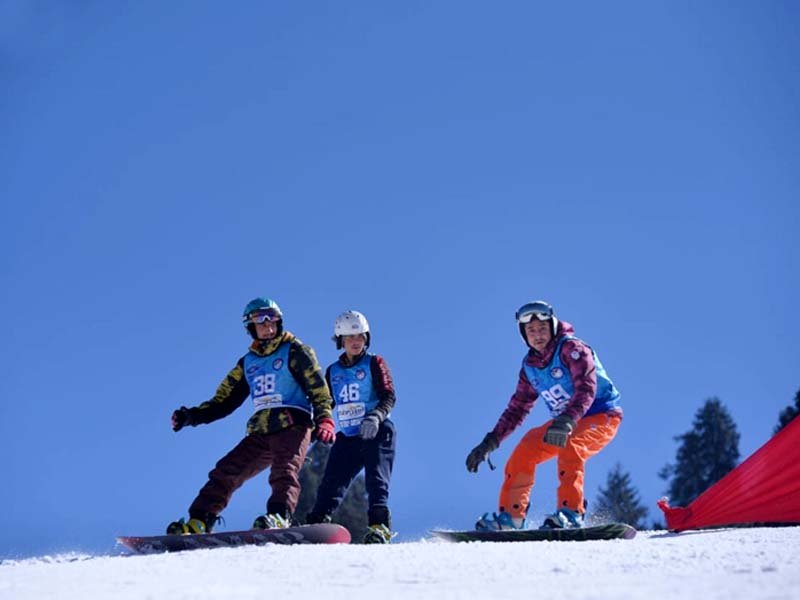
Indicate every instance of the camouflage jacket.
{"type": "Point", "coordinates": [234, 390]}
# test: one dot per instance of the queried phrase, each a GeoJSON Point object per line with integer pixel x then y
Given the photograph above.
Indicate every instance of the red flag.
{"type": "Point", "coordinates": [764, 489]}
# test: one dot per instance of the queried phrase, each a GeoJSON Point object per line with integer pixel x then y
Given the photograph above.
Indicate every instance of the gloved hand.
{"type": "Point", "coordinates": [325, 431]}
{"type": "Point", "coordinates": [369, 426]}
{"type": "Point", "coordinates": [180, 418]}
{"type": "Point", "coordinates": [481, 452]}
{"type": "Point", "coordinates": [558, 432]}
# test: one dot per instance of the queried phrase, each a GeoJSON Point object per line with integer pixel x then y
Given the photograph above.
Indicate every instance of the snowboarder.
{"type": "Point", "coordinates": [290, 395]}
{"type": "Point", "coordinates": [363, 395]}
{"type": "Point", "coordinates": [585, 410]}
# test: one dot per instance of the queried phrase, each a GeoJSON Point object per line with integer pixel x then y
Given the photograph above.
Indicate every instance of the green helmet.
{"type": "Point", "coordinates": [260, 310]}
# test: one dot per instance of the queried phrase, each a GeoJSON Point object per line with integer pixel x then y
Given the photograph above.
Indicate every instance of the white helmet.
{"type": "Point", "coordinates": [350, 322]}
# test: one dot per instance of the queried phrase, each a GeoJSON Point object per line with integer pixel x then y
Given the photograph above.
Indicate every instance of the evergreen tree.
{"type": "Point", "coordinates": [789, 413]}
{"type": "Point", "coordinates": [707, 453]}
{"type": "Point", "coordinates": [619, 500]}
{"type": "Point", "coordinates": [352, 514]}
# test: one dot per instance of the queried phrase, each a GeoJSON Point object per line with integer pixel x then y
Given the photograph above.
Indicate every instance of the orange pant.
{"type": "Point", "coordinates": [591, 435]}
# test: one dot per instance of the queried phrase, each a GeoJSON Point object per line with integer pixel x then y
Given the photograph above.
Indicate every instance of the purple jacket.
{"type": "Point", "coordinates": [581, 370]}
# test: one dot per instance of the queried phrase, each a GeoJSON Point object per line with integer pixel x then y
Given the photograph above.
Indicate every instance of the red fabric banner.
{"type": "Point", "coordinates": [764, 489]}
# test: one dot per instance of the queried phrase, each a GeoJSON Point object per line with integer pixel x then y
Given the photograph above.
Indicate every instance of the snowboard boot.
{"type": "Point", "coordinates": [193, 525]}
{"type": "Point", "coordinates": [271, 521]}
{"type": "Point", "coordinates": [314, 518]}
{"type": "Point", "coordinates": [499, 522]}
{"type": "Point", "coordinates": [378, 534]}
{"type": "Point", "coordinates": [563, 518]}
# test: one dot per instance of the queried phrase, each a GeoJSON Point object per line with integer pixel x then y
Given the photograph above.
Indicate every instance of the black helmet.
{"type": "Point", "coordinates": [539, 310]}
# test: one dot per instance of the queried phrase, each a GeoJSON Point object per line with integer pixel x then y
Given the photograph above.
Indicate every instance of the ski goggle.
{"type": "Point", "coordinates": [263, 315]}
{"type": "Point", "coordinates": [541, 311]}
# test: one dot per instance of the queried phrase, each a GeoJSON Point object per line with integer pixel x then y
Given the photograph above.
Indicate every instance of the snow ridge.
{"type": "Point", "coordinates": [730, 564]}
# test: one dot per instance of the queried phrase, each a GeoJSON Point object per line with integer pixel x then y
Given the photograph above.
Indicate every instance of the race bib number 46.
{"type": "Point", "coordinates": [350, 393]}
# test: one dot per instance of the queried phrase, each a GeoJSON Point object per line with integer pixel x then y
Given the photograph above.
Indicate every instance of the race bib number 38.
{"type": "Point", "coordinates": [264, 395]}
{"type": "Point", "coordinates": [263, 385]}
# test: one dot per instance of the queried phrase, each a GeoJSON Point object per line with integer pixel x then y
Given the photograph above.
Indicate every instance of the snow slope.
{"type": "Point", "coordinates": [726, 564]}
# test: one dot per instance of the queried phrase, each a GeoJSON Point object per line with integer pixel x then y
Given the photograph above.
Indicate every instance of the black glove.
{"type": "Point", "coordinates": [481, 452]}
{"type": "Point", "coordinates": [181, 417]}
{"type": "Point", "coordinates": [369, 426]}
{"type": "Point", "coordinates": [558, 432]}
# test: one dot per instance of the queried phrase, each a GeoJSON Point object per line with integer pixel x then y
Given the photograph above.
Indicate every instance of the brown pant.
{"type": "Point", "coordinates": [590, 436]}
{"type": "Point", "coordinates": [284, 451]}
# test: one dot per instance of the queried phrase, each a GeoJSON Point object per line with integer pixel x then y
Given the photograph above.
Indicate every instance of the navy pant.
{"type": "Point", "coordinates": [348, 456]}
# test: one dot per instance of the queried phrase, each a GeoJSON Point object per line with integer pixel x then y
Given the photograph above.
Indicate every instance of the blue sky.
{"type": "Point", "coordinates": [431, 164]}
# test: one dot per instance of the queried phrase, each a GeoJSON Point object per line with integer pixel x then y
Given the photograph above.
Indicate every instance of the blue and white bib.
{"type": "Point", "coordinates": [353, 394]}
{"type": "Point", "coordinates": [554, 384]}
{"type": "Point", "coordinates": [271, 383]}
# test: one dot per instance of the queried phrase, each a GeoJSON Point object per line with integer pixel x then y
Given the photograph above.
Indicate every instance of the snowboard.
{"type": "Point", "coordinates": [322, 533]}
{"type": "Point", "coordinates": [607, 531]}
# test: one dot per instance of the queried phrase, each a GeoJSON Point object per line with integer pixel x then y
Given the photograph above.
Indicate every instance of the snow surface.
{"type": "Point", "coordinates": [728, 564]}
